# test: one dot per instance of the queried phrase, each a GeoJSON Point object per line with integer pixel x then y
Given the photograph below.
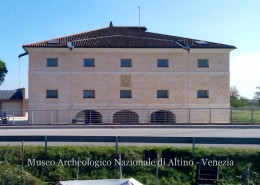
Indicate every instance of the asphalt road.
{"type": "Point", "coordinates": [167, 132]}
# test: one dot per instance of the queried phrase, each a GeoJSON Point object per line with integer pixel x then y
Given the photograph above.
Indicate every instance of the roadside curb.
{"type": "Point", "coordinates": [65, 126]}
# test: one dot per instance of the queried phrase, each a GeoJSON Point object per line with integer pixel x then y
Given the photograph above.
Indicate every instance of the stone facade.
{"type": "Point", "coordinates": [126, 75]}
{"type": "Point", "coordinates": [183, 78]}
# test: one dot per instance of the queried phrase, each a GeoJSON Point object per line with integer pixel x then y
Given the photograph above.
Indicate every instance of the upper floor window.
{"type": "Point", "coordinates": [125, 94]}
{"type": "Point", "coordinates": [89, 94]}
{"type": "Point", "coordinates": [162, 63]}
{"type": "Point", "coordinates": [202, 94]}
{"type": "Point", "coordinates": [51, 93]}
{"type": "Point", "coordinates": [52, 62]}
{"type": "Point", "coordinates": [162, 94]}
{"type": "Point", "coordinates": [89, 62]}
{"type": "Point", "coordinates": [126, 62]}
{"type": "Point", "coordinates": [203, 63]}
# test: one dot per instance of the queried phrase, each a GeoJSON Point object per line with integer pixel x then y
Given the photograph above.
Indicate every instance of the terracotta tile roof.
{"type": "Point", "coordinates": [125, 37]}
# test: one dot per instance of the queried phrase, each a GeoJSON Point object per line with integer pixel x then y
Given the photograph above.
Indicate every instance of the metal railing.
{"type": "Point", "coordinates": [134, 116]}
{"type": "Point", "coordinates": [248, 176]}
{"type": "Point", "coordinates": [132, 139]}
{"type": "Point", "coordinates": [245, 115]}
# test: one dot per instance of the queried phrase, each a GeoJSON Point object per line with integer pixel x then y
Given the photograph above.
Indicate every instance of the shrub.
{"type": "Point", "coordinates": [11, 175]}
{"type": "Point", "coordinates": [241, 102]}
{"type": "Point", "coordinates": [11, 172]}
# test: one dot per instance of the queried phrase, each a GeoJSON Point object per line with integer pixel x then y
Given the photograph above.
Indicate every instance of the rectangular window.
{"type": "Point", "coordinates": [162, 94]}
{"type": "Point", "coordinates": [51, 93]}
{"type": "Point", "coordinates": [202, 94]}
{"type": "Point", "coordinates": [89, 94]}
{"type": "Point", "coordinates": [203, 63]}
{"type": "Point", "coordinates": [89, 62]}
{"type": "Point", "coordinates": [126, 62]}
{"type": "Point", "coordinates": [125, 94]}
{"type": "Point", "coordinates": [162, 63]}
{"type": "Point", "coordinates": [52, 62]}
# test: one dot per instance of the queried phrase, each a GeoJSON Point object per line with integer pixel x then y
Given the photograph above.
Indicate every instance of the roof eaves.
{"type": "Point", "coordinates": [134, 33]}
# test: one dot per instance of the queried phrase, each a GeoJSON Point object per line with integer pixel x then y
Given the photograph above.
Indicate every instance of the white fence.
{"type": "Point", "coordinates": [133, 116]}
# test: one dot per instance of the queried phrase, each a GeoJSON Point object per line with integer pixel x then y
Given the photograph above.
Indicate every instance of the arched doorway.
{"type": "Point", "coordinates": [89, 116]}
{"type": "Point", "coordinates": [163, 116]}
{"type": "Point", "coordinates": [126, 117]}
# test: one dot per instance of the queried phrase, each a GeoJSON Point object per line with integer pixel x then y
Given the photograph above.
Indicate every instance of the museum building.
{"type": "Point", "coordinates": [127, 75]}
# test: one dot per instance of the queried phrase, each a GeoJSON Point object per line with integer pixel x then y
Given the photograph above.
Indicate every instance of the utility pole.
{"type": "Point", "coordinates": [120, 166]}
{"type": "Point", "coordinates": [157, 169]}
{"type": "Point", "coordinates": [22, 180]}
{"type": "Point", "coordinates": [246, 176]}
{"type": "Point", "coordinates": [77, 170]}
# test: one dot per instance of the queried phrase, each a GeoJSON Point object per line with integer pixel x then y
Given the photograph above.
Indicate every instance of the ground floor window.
{"type": "Point", "coordinates": [89, 116]}
{"type": "Point", "coordinates": [163, 116]}
{"type": "Point", "coordinates": [125, 117]}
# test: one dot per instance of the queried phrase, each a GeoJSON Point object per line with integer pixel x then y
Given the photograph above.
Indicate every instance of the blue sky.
{"type": "Point", "coordinates": [234, 22]}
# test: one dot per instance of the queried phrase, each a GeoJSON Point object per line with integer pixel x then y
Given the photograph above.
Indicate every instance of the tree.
{"type": "Point", "coordinates": [241, 102]}
{"type": "Point", "coordinates": [234, 93]}
{"type": "Point", "coordinates": [3, 71]}
{"type": "Point", "coordinates": [257, 94]}
{"type": "Point", "coordinates": [235, 99]}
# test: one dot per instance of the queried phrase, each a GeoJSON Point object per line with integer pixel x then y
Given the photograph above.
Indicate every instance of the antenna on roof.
{"type": "Point", "coordinates": [139, 16]}
{"type": "Point", "coordinates": [70, 45]}
{"type": "Point", "coordinates": [19, 72]}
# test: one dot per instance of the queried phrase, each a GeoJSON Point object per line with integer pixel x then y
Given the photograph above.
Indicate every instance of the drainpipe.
{"type": "Point", "coordinates": [23, 89]}
{"type": "Point", "coordinates": [19, 56]}
{"type": "Point", "coordinates": [23, 54]}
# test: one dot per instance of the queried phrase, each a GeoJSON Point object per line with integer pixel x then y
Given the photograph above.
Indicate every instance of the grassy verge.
{"type": "Point", "coordinates": [36, 173]}
{"type": "Point", "coordinates": [245, 116]}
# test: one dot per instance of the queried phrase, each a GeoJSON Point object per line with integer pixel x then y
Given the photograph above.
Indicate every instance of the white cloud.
{"type": "Point", "coordinates": [245, 73]}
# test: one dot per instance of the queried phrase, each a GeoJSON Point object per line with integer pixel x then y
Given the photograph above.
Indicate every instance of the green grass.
{"type": "Point", "coordinates": [245, 116]}
{"type": "Point", "coordinates": [10, 167]}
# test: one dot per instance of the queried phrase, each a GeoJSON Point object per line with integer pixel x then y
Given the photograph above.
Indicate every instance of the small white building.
{"type": "Point", "coordinates": [130, 181]}
{"type": "Point", "coordinates": [12, 102]}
